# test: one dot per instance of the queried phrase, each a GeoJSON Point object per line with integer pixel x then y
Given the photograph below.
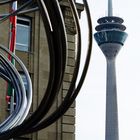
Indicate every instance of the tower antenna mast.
{"type": "Point", "coordinates": [110, 8]}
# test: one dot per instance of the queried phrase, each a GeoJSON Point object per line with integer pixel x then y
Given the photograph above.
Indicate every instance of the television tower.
{"type": "Point", "coordinates": [110, 37]}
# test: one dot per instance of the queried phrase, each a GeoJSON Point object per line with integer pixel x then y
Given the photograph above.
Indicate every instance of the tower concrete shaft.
{"type": "Point", "coordinates": [112, 131]}
{"type": "Point", "coordinates": [110, 51]}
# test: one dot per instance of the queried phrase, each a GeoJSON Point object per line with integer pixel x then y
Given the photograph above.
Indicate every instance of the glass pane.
{"type": "Point", "coordinates": [21, 47]}
{"type": "Point", "coordinates": [24, 80]}
{"type": "Point", "coordinates": [23, 37]}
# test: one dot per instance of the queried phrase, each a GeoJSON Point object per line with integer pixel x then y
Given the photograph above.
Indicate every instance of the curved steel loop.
{"type": "Point", "coordinates": [57, 43]}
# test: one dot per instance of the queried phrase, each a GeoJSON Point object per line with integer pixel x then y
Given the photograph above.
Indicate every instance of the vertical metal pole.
{"type": "Point", "coordinates": [12, 102]}
{"type": "Point", "coordinates": [12, 48]}
{"type": "Point", "coordinates": [111, 102]}
{"type": "Point", "coordinates": [110, 8]}
{"type": "Point", "coordinates": [12, 105]}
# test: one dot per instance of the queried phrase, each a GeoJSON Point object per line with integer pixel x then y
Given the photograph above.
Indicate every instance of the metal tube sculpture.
{"type": "Point", "coordinates": [110, 37]}
{"type": "Point", "coordinates": [17, 124]}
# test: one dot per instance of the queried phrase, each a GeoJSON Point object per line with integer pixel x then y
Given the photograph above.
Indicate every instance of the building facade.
{"type": "Point", "coordinates": [31, 48]}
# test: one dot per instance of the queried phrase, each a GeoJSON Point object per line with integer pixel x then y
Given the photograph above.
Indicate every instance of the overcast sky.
{"type": "Point", "coordinates": [90, 119]}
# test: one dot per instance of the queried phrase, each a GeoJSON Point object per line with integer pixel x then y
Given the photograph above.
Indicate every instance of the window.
{"type": "Point", "coordinates": [14, 100]}
{"type": "Point", "coordinates": [23, 34]}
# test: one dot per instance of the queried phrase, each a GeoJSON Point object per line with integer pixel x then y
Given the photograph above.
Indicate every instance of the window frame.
{"type": "Point", "coordinates": [24, 21]}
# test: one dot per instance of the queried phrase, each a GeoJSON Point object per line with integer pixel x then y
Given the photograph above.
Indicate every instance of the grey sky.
{"type": "Point", "coordinates": [91, 102]}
